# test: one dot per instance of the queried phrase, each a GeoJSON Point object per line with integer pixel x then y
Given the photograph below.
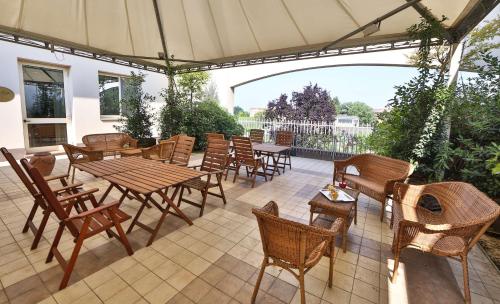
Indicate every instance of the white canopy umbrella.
{"type": "Point", "coordinates": [207, 34]}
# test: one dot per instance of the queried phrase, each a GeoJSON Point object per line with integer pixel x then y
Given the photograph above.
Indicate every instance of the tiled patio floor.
{"type": "Point", "coordinates": [216, 260]}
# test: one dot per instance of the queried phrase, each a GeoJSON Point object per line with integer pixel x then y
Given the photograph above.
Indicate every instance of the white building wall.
{"type": "Point", "coordinates": [82, 98]}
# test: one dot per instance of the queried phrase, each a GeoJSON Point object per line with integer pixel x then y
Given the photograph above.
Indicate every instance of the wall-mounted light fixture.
{"type": "Point", "coordinates": [6, 94]}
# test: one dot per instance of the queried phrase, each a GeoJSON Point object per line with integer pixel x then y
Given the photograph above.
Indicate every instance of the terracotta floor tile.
{"type": "Point", "coordinates": [196, 290]}
{"type": "Point", "coordinates": [214, 296]}
{"type": "Point", "coordinates": [282, 290]}
{"type": "Point", "coordinates": [230, 285]}
{"type": "Point", "coordinates": [161, 294]}
{"type": "Point", "coordinates": [180, 279]}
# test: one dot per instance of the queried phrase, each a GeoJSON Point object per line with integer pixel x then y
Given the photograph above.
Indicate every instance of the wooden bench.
{"type": "Point", "coordinates": [110, 143]}
{"type": "Point", "coordinates": [377, 175]}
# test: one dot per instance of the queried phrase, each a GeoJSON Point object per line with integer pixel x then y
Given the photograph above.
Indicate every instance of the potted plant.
{"type": "Point", "coordinates": [136, 116]}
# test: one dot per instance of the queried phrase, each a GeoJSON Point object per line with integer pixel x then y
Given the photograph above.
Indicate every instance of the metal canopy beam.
{"type": "Point", "coordinates": [470, 20]}
{"type": "Point", "coordinates": [376, 21]}
{"type": "Point", "coordinates": [162, 36]}
{"type": "Point", "coordinates": [427, 15]}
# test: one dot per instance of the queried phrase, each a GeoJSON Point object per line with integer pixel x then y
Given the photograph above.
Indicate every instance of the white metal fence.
{"type": "Point", "coordinates": [324, 140]}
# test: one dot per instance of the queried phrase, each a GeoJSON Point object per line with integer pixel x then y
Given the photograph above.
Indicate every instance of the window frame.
{"type": "Point", "coordinates": [120, 77]}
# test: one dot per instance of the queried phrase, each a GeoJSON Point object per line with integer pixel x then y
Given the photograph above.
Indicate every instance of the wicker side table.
{"type": "Point", "coordinates": [329, 211]}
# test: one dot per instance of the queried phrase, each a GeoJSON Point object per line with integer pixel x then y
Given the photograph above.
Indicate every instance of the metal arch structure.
{"type": "Point", "coordinates": [335, 48]}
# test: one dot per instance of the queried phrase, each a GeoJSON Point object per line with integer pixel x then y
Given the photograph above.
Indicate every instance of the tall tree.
{"type": "Point", "coordinates": [192, 85]}
{"type": "Point", "coordinates": [240, 112]}
{"type": "Point", "coordinates": [359, 109]}
{"type": "Point", "coordinates": [312, 103]}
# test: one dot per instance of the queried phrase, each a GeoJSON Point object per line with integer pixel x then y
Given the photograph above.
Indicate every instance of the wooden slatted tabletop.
{"type": "Point", "coordinates": [112, 166]}
{"type": "Point", "coordinates": [270, 148]}
{"type": "Point", "coordinates": [151, 179]}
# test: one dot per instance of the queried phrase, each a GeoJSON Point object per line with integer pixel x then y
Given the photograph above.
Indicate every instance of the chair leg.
{"type": "Point", "coordinates": [73, 176]}
{"type": "Point", "coordinates": [236, 172]}
{"type": "Point", "coordinates": [264, 168]}
{"type": "Point", "coordinates": [121, 233]}
{"type": "Point", "coordinates": [69, 168]}
{"type": "Point", "coordinates": [259, 279]}
{"type": "Point", "coordinates": [72, 261]}
{"type": "Point", "coordinates": [219, 179]}
{"type": "Point", "coordinates": [382, 212]}
{"type": "Point", "coordinates": [55, 243]}
{"type": "Point", "coordinates": [204, 194]}
{"type": "Point", "coordinates": [254, 173]}
{"type": "Point", "coordinates": [465, 267]}
{"type": "Point", "coordinates": [302, 286]}
{"type": "Point", "coordinates": [39, 233]}
{"type": "Point", "coordinates": [30, 217]}
{"type": "Point", "coordinates": [396, 265]}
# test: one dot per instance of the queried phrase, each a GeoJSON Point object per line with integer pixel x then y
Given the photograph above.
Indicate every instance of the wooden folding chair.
{"type": "Point", "coordinates": [257, 136]}
{"type": "Point", "coordinates": [162, 151]}
{"type": "Point", "coordinates": [38, 201]}
{"type": "Point", "coordinates": [246, 157]}
{"type": "Point", "coordinates": [214, 162]}
{"type": "Point", "coordinates": [81, 225]}
{"type": "Point", "coordinates": [182, 151]}
{"type": "Point", "coordinates": [79, 155]}
{"type": "Point", "coordinates": [285, 138]}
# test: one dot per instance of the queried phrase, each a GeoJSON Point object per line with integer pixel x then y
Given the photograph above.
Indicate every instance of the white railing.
{"type": "Point", "coordinates": [317, 139]}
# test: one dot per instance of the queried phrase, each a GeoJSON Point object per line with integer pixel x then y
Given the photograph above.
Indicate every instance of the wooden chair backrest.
{"type": "Point", "coordinates": [211, 136]}
{"type": "Point", "coordinates": [20, 173]}
{"type": "Point", "coordinates": [49, 196]}
{"type": "Point", "coordinates": [166, 148]}
{"type": "Point", "coordinates": [69, 152]}
{"type": "Point", "coordinates": [183, 150]}
{"type": "Point", "coordinates": [284, 138]}
{"type": "Point", "coordinates": [284, 239]}
{"type": "Point", "coordinates": [257, 135]}
{"type": "Point", "coordinates": [243, 150]}
{"type": "Point", "coordinates": [215, 157]}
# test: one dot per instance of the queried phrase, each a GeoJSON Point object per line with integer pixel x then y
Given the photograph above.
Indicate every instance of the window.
{"type": "Point", "coordinates": [110, 94]}
{"type": "Point", "coordinates": [43, 92]}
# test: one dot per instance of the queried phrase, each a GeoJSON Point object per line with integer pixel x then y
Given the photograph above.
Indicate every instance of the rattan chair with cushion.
{"type": "Point", "coordinates": [245, 156]}
{"type": "Point", "coordinates": [162, 152]}
{"type": "Point", "coordinates": [377, 175]}
{"type": "Point", "coordinates": [79, 155]}
{"type": "Point", "coordinates": [214, 162]}
{"type": "Point", "coordinates": [82, 225]}
{"type": "Point", "coordinates": [257, 136]}
{"type": "Point", "coordinates": [465, 215]}
{"type": "Point", "coordinates": [293, 246]}
{"type": "Point", "coordinates": [285, 138]}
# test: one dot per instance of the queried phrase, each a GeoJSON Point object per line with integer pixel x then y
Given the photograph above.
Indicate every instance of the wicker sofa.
{"type": "Point", "coordinates": [377, 175]}
{"type": "Point", "coordinates": [110, 143]}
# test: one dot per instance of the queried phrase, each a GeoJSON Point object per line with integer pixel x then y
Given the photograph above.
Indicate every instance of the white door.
{"type": "Point", "coordinates": [44, 107]}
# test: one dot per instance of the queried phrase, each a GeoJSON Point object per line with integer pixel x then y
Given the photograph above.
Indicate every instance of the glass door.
{"type": "Point", "coordinates": [44, 108]}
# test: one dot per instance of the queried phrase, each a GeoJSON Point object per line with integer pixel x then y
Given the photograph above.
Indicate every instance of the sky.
{"type": "Point", "coordinates": [373, 85]}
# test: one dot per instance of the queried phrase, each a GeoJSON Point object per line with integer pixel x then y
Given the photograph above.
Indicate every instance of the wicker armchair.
{"type": "Point", "coordinates": [257, 136]}
{"type": "Point", "coordinates": [162, 151]}
{"type": "Point", "coordinates": [377, 175]}
{"type": "Point", "coordinates": [78, 155]}
{"type": "Point", "coordinates": [292, 246]}
{"type": "Point", "coordinates": [465, 215]}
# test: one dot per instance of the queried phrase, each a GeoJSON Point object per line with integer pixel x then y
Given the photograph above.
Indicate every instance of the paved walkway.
{"type": "Point", "coordinates": [216, 260]}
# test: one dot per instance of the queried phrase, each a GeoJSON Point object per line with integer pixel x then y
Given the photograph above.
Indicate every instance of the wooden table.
{"type": "Point", "coordinates": [142, 178]}
{"type": "Point", "coordinates": [330, 210]}
{"type": "Point", "coordinates": [271, 150]}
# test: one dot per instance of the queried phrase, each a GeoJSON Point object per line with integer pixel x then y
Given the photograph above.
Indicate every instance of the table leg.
{"type": "Point", "coordinates": [344, 236]}
{"type": "Point", "coordinates": [311, 218]}
{"type": "Point", "coordinates": [275, 167]}
{"type": "Point", "coordinates": [141, 209]}
{"type": "Point", "coordinates": [171, 203]}
{"type": "Point", "coordinates": [103, 197]}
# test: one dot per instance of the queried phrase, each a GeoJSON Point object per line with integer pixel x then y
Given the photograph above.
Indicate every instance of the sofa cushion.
{"type": "Point", "coordinates": [370, 187]}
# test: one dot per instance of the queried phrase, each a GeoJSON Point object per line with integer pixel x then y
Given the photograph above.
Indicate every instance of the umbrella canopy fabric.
{"type": "Point", "coordinates": [217, 31]}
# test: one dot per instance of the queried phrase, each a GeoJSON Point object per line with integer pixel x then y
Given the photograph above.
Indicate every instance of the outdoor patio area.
{"type": "Point", "coordinates": [217, 259]}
